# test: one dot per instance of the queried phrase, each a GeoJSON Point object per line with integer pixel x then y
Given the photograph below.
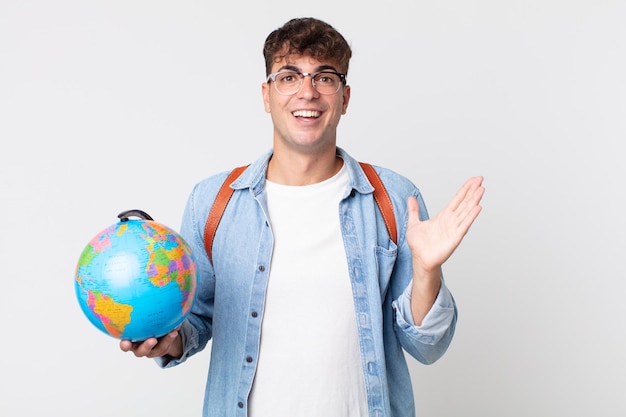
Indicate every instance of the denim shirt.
{"type": "Point", "coordinates": [229, 305]}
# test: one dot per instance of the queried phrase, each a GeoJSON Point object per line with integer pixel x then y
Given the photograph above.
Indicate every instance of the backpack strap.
{"type": "Point", "coordinates": [217, 209]}
{"type": "Point", "coordinates": [225, 192]}
{"type": "Point", "coordinates": [382, 200]}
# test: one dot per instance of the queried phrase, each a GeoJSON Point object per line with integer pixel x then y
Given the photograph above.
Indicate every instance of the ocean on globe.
{"type": "Point", "coordinates": [136, 279]}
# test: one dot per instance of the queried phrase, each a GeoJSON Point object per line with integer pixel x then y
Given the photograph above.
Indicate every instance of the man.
{"type": "Point", "coordinates": [308, 302]}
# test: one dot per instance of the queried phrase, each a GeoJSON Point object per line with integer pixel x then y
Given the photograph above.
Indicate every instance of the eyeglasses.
{"type": "Point", "coordinates": [289, 82]}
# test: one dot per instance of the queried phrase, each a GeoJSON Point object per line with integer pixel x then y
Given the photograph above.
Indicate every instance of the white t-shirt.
{"type": "Point", "coordinates": [309, 362]}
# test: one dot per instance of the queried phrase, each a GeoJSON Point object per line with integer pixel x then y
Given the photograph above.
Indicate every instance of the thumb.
{"type": "Point", "coordinates": [413, 209]}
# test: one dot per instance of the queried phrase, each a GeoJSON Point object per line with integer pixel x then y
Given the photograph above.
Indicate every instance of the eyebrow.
{"type": "Point", "coordinates": [318, 69]}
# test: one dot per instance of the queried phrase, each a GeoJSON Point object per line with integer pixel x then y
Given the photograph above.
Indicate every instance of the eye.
{"type": "Point", "coordinates": [326, 78]}
{"type": "Point", "coordinates": [287, 77]}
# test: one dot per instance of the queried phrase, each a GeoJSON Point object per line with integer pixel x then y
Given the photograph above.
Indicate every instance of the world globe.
{"type": "Point", "coordinates": [136, 279]}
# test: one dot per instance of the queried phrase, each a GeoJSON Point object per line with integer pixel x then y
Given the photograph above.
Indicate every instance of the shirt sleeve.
{"type": "Point", "coordinates": [190, 342]}
{"type": "Point", "coordinates": [439, 321]}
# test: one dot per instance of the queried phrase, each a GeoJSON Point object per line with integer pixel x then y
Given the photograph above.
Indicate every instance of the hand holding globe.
{"type": "Point", "coordinates": [170, 345]}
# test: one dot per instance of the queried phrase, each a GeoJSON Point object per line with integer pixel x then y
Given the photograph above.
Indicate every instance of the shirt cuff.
{"type": "Point", "coordinates": [189, 340]}
{"type": "Point", "coordinates": [437, 320]}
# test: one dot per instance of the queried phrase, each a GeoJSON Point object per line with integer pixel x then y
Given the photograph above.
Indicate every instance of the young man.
{"type": "Point", "coordinates": [308, 302]}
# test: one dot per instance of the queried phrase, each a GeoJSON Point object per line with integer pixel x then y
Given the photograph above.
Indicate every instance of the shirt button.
{"type": "Point", "coordinates": [240, 404]}
{"type": "Point", "coordinates": [371, 367]}
{"type": "Point", "coordinates": [261, 268]}
{"type": "Point", "coordinates": [255, 314]}
{"type": "Point", "coordinates": [249, 359]}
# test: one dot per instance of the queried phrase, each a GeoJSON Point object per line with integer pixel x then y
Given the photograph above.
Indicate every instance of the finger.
{"type": "Point", "coordinates": [471, 201]}
{"type": "Point", "coordinates": [477, 195]}
{"type": "Point", "coordinates": [162, 348]}
{"type": "Point", "coordinates": [474, 185]}
{"type": "Point", "coordinates": [126, 345]}
{"type": "Point", "coordinates": [467, 222]}
{"type": "Point", "coordinates": [144, 348]}
{"type": "Point", "coordinates": [462, 193]}
{"type": "Point", "coordinates": [468, 197]}
{"type": "Point", "coordinates": [471, 210]}
{"type": "Point", "coordinates": [413, 209]}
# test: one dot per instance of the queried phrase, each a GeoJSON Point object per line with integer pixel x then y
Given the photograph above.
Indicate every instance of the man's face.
{"type": "Point", "coordinates": [307, 120]}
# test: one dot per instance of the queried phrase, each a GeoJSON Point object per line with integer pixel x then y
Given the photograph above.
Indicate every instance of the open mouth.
{"type": "Point", "coordinates": [307, 113]}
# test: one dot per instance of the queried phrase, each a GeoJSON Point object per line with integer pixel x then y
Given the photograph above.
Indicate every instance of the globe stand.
{"type": "Point", "coordinates": [123, 216]}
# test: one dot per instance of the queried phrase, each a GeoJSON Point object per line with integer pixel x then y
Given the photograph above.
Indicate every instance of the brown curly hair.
{"type": "Point", "coordinates": [307, 36]}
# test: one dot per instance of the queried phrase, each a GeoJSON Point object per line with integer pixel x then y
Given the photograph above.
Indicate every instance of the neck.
{"type": "Point", "coordinates": [298, 169]}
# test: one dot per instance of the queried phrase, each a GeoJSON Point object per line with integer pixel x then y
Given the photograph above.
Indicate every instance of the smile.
{"type": "Point", "coordinates": [306, 113]}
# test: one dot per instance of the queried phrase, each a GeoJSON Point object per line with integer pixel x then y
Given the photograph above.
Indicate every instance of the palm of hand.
{"type": "Point", "coordinates": [434, 240]}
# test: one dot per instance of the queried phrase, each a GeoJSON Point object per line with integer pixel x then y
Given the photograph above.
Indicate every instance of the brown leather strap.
{"type": "Point", "coordinates": [215, 214]}
{"type": "Point", "coordinates": [382, 199]}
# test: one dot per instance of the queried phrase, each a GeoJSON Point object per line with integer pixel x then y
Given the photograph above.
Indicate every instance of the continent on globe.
{"type": "Point", "coordinates": [136, 279]}
{"type": "Point", "coordinates": [114, 316]}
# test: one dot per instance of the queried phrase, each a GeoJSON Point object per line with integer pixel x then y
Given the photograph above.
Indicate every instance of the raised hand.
{"type": "Point", "coordinates": [433, 241]}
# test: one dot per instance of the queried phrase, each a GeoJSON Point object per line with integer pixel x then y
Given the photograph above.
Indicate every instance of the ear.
{"type": "Point", "coordinates": [265, 91]}
{"type": "Point", "coordinates": [346, 99]}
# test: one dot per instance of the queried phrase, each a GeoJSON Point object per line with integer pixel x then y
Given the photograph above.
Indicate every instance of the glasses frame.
{"type": "Point", "coordinates": [301, 75]}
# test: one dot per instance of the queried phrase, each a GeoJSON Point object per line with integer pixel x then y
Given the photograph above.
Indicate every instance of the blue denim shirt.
{"type": "Point", "coordinates": [231, 293]}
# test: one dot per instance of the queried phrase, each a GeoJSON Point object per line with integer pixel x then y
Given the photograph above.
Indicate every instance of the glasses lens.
{"type": "Point", "coordinates": [288, 82]}
{"type": "Point", "coordinates": [327, 82]}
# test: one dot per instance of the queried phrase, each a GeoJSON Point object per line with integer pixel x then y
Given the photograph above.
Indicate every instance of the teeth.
{"type": "Point", "coordinates": [306, 113]}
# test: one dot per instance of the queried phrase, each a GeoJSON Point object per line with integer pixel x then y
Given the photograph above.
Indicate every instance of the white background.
{"type": "Point", "coordinates": [112, 105]}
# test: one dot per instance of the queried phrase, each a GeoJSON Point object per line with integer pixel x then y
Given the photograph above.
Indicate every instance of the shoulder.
{"type": "Point", "coordinates": [204, 194]}
{"type": "Point", "coordinates": [396, 183]}
{"type": "Point", "coordinates": [400, 188]}
{"type": "Point", "coordinates": [393, 181]}
{"type": "Point", "coordinates": [208, 187]}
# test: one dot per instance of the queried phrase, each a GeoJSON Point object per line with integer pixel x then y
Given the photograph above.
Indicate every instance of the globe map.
{"type": "Point", "coordinates": [136, 279]}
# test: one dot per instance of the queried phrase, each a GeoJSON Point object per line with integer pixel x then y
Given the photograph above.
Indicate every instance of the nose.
{"type": "Point", "coordinates": [307, 90]}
